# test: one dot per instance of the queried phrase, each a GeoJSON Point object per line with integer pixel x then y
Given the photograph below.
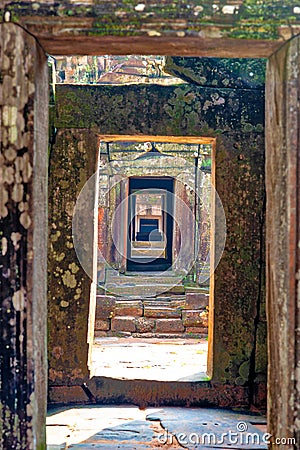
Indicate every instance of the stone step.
{"type": "Point", "coordinates": [138, 308]}
{"type": "Point", "coordinates": [169, 326]}
{"type": "Point", "coordinates": [141, 291]}
{"type": "Point", "coordinates": [128, 308]}
{"type": "Point", "coordinates": [123, 323]}
{"type": "Point", "coordinates": [184, 335]}
{"type": "Point", "coordinates": [197, 289]}
{"type": "Point", "coordinates": [138, 281]}
{"type": "Point", "coordinates": [108, 306]}
{"type": "Point", "coordinates": [200, 334]}
{"type": "Point", "coordinates": [195, 318]}
{"type": "Point", "coordinates": [158, 324]}
{"type": "Point", "coordinates": [161, 312]}
{"type": "Point", "coordinates": [171, 304]}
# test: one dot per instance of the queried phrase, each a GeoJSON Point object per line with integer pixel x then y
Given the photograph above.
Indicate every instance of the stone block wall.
{"type": "Point", "coordinates": [183, 316]}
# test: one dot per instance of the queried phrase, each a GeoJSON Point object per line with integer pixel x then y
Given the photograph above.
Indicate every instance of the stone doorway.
{"type": "Point", "coordinates": [150, 230]}
{"type": "Point", "coordinates": [282, 74]}
{"type": "Point", "coordinates": [159, 303]}
{"type": "Point", "coordinates": [177, 107]}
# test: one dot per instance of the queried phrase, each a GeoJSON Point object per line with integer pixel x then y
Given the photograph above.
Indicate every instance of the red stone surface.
{"type": "Point", "coordinates": [195, 300]}
{"type": "Point", "coordinates": [145, 325]}
{"type": "Point", "coordinates": [105, 307]}
{"type": "Point", "coordinates": [123, 324]}
{"type": "Point", "coordinates": [129, 308]}
{"type": "Point", "coordinates": [102, 325]}
{"type": "Point", "coordinates": [169, 326]}
{"type": "Point", "coordinates": [193, 318]}
{"type": "Point", "coordinates": [157, 311]}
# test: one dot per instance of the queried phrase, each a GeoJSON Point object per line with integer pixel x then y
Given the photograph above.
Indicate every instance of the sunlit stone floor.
{"type": "Point", "coordinates": [127, 427]}
{"type": "Point", "coordinates": [150, 359]}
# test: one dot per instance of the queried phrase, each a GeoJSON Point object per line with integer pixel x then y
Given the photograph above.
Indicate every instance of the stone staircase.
{"type": "Point", "coordinates": [151, 305]}
{"type": "Point", "coordinates": [142, 284]}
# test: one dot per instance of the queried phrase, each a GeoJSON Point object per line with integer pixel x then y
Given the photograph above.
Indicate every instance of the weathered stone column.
{"type": "Point", "coordinates": [282, 180]}
{"type": "Point", "coordinates": [23, 210]}
{"type": "Point", "coordinates": [71, 292]}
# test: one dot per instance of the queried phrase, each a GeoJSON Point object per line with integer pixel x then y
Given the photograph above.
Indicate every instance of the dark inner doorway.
{"type": "Point", "coordinates": [150, 230]}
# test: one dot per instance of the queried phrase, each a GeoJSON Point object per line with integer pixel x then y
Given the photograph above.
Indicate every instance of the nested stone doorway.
{"type": "Point", "coordinates": [153, 278]}
{"type": "Point", "coordinates": [150, 224]}
{"type": "Point", "coordinates": [197, 111]}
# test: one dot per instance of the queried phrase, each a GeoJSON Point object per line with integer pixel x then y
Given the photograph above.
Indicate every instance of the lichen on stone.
{"type": "Point", "coordinates": [69, 279]}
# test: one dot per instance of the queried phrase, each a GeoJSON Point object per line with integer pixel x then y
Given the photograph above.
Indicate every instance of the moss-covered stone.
{"type": "Point", "coordinates": [23, 238]}
{"type": "Point", "coordinates": [251, 19]}
{"type": "Point", "coordinates": [230, 73]}
{"type": "Point", "coordinates": [177, 110]}
{"type": "Point", "coordinates": [73, 161]}
{"type": "Point", "coordinates": [236, 118]}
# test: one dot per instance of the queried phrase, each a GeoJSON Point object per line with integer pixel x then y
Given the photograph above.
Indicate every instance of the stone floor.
{"type": "Point", "coordinates": [150, 359]}
{"type": "Point", "coordinates": [128, 427]}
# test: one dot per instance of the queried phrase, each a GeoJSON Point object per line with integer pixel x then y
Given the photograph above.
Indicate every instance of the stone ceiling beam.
{"type": "Point", "coordinates": [186, 28]}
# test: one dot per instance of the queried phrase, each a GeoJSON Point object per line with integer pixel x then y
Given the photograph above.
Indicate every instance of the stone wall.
{"type": "Point", "coordinates": [184, 316]}
{"type": "Point", "coordinates": [73, 160]}
{"type": "Point", "coordinates": [23, 235]}
{"type": "Point", "coordinates": [282, 176]}
{"type": "Point", "coordinates": [235, 117]}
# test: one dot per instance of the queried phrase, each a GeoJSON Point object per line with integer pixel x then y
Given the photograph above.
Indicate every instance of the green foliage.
{"type": "Point", "coordinates": [206, 163]}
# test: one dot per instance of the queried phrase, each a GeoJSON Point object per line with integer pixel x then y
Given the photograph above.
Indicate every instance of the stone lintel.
{"type": "Point", "coordinates": [102, 27]}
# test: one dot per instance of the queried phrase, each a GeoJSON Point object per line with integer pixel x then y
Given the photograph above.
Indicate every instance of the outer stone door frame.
{"type": "Point", "coordinates": [282, 116]}
{"type": "Point", "coordinates": [283, 239]}
{"type": "Point", "coordinates": [23, 213]}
